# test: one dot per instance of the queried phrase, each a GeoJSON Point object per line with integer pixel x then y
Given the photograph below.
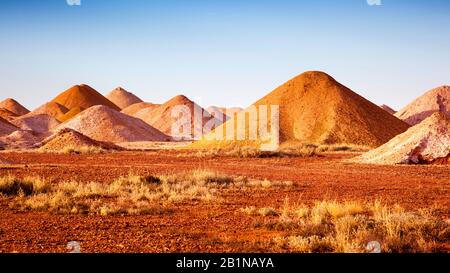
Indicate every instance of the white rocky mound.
{"type": "Point", "coordinates": [20, 140]}
{"type": "Point", "coordinates": [426, 142]}
{"type": "Point", "coordinates": [434, 100]}
{"type": "Point", "coordinates": [40, 124]}
{"type": "Point", "coordinates": [102, 123]}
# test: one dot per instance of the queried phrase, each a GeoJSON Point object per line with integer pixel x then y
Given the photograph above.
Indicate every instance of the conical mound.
{"type": "Point", "coordinates": [122, 98]}
{"type": "Point", "coordinates": [14, 107]}
{"type": "Point", "coordinates": [437, 99]}
{"type": "Point", "coordinates": [388, 109]}
{"type": "Point", "coordinates": [71, 114]}
{"type": "Point", "coordinates": [133, 109]}
{"type": "Point", "coordinates": [20, 139]}
{"type": "Point", "coordinates": [102, 123]}
{"type": "Point", "coordinates": [162, 117]}
{"type": "Point", "coordinates": [6, 114]}
{"type": "Point", "coordinates": [315, 109]}
{"type": "Point", "coordinates": [68, 138]}
{"type": "Point", "coordinates": [6, 127]}
{"type": "Point", "coordinates": [83, 96]}
{"type": "Point", "coordinates": [40, 124]}
{"type": "Point", "coordinates": [219, 112]}
{"type": "Point", "coordinates": [52, 109]}
{"type": "Point", "coordinates": [427, 142]}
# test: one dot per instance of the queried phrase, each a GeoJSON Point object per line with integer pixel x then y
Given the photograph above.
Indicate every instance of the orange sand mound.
{"type": "Point", "coordinates": [122, 98]}
{"type": "Point", "coordinates": [40, 124]}
{"type": "Point", "coordinates": [161, 117]}
{"type": "Point", "coordinates": [20, 139]}
{"type": "Point", "coordinates": [13, 106]}
{"type": "Point", "coordinates": [426, 142]}
{"type": "Point", "coordinates": [83, 96]}
{"type": "Point", "coordinates": [6, 127]}
{"type": "Point", "coordinates": [437, 99]}
{"type": "Point", "coordinates": [6, 114]}
{"type": "Point", "coordinates": [133, 109]}
{"type": "Point", "coordinates": [388, 109]}
{"type": "Point", "coordinates": [52, 109]}
{"type": "Point", "coordinates": [314, 108]}
{"type": "Point", "coordinates": [66, 137]}
{"type": "Point", "coordinates": [102, 123]}
{"type": "Point", "coordinates": [69, 115]}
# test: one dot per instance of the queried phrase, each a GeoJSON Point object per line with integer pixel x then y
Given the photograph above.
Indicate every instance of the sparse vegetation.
{"type": "Point", "coordinates": [342, 147]}
{"type": "Point", "coordinates": [12, 186]}
{"type": "Point", "coordinates": [83, 150]}
{"type": "Point", "coordinates": [262, 211]}
{"type": "Point", "coordinates": [125, 195]}
{"type": "Point", "coordinates": [286, 150]}
{"type": "Point", "coordinates": [251, 152]}
{"type": "Point", "coordinates": [77, 150]}
{"type": "Point", "coordinates": [330, 226]}
{"type": "Point", "coordinates": [267, 184]}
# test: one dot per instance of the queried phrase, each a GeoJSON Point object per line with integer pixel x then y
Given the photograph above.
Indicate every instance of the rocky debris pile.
{"type": "Point", "coordinates": [427, 142]}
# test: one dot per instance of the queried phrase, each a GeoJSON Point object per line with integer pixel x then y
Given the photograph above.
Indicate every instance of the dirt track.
{"type": "Point", "coordinates": [205, 227]}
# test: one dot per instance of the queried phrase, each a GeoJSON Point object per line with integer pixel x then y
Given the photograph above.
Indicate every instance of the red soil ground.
{"type": "Point", "coordinates": [205, 227]}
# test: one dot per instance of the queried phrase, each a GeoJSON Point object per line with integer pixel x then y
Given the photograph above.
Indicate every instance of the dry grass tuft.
{"type": "Point", "coordinates": [342, 147]}
{"type": "Point", "coordinates": [268, 184]}
{"type": "Point", "coordinates": [330, 226]}
{"type": "Point", "coordinates": [76, 150]}
{"type": "Point", "coordinates": [12, 186]}
{"type": "Point", "coordinates": [262, 211]}
{"type": "Point", "coordinates": [131, 195]}
{"type": "Point", "coordinates": [286, 150]}
{"type": "Point", "coordinates": [83, 150]}
{"type": "Point", "coordinates": [252, 152]}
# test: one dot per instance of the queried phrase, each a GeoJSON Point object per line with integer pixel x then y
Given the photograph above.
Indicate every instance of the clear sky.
{"type": "Point", "coordinates": [227, 53]}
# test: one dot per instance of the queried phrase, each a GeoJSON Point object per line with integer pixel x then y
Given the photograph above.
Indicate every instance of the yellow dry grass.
{"type": "Point", "coordinates": [130, 195]}
{"type": "Point", "coordinates": [245, 149]}
{"type": "Point", "coordinates": [12, 186]}
{"type": "Point", "coordinates": [249, 151]}
{"type": "Point", "coordinates": [75, 150]}
{"type": "Point", "coordinates": [331, 226]}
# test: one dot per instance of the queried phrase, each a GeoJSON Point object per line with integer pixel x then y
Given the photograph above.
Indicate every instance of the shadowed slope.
{"type": "Point", "coordinates": [14, 107]}
{"type": "Point", "coordinates": [6, 127]}
{"type": "Point", "coordinates": [52, 109]}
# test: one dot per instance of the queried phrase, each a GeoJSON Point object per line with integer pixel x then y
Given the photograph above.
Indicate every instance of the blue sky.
{"type": "Point", "coordinates": [227, 52]}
